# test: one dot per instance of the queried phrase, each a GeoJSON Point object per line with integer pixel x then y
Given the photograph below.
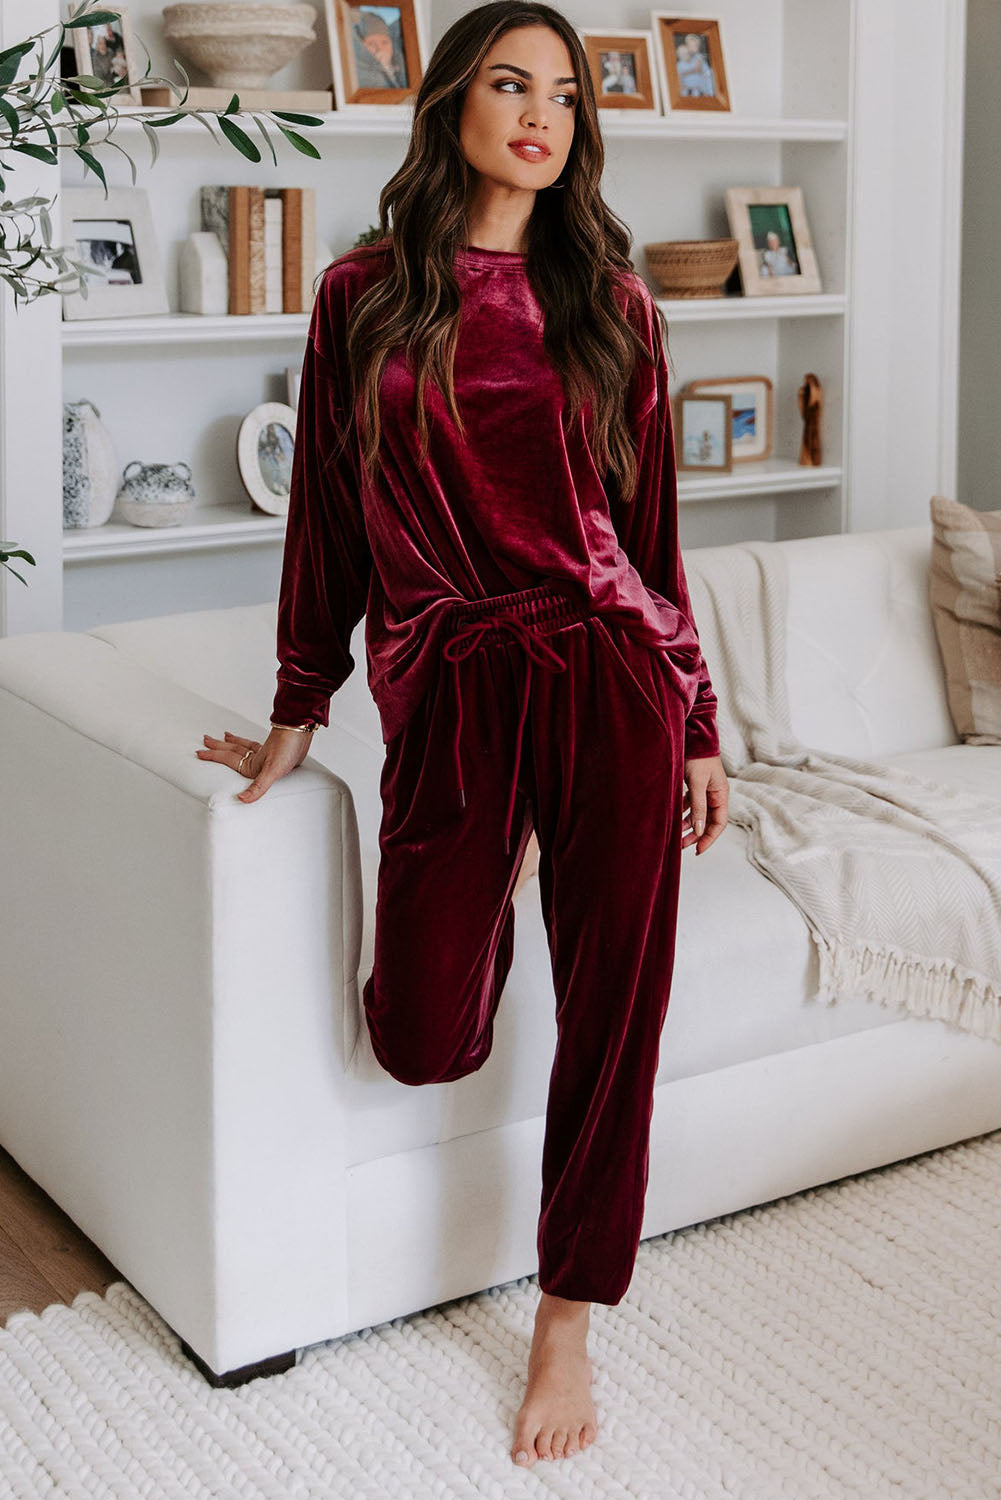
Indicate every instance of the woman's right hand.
{"type": "Point", "coordinates": [281, 752]}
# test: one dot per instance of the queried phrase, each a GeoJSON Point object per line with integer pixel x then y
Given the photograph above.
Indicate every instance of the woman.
{"type": "Point", "coordinates": [528, 630]}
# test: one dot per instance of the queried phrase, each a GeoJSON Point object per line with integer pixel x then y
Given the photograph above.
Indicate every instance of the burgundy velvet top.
{"type": "Point", "coordinates": [515, 502]}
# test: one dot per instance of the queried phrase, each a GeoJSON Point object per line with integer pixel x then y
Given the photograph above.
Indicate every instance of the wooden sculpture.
{"type": "Point", "coordinates": [811, 405]}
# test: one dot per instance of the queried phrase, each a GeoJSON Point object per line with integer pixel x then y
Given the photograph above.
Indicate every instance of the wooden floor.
{"type": "Point", "coordinates": [44, 1257]}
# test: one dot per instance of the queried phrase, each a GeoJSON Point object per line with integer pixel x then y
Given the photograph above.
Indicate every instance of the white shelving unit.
{"type": "Point", "coordinates": [858, 105]}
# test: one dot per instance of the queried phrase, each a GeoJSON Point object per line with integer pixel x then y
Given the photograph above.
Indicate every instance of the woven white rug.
{"type": "Point", "coordinates": [845, 1342]}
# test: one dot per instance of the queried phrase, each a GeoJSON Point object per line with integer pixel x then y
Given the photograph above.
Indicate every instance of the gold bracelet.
{"type": "Point", "coordinates": [299, 728]}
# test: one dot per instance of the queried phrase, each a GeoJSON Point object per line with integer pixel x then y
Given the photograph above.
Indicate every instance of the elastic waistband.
{"type": "Point", "coordinates": [546, 607]}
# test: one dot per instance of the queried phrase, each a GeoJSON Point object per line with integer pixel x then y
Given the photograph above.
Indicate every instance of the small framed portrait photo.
{"type": "Point", "coordinates": [114, 243]}
{"type": "Point", "coordinates": [775, 252]}
{"type": "Point", "coordinates": [265, 445]}
{"type": "Point", "coordinates": [751, 412]}
{"type": "Point", "coordinates": [107, 51]}
{"type": "Point", "coordinates": [703, 426]}
{"type": "Point", "coordinates": [623, 71]}
{"type": "Point", "coordinates": [690, 60]}
{"type": "Point", "coordinates": [377, 54]}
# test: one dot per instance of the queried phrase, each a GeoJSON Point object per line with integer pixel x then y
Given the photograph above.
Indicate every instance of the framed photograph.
{"type": "Point", "coordinates": [690, 61]}
{"type": "Point", "coordinates": [377, 54]}
{"type": "Point", "coordinates": [623, 71]}
{"type": "Point", "coordinates": [264, 447]}
{"type": "Point", "coordinates": [703, 434]}
{"type": "Point", "coordinates": [114, 239]}
{"type": "Point", "coordinates": [775, 249]}
{"type": "Point", "coordinates": [751, 412]}
{"type": "Point", "coordinates": [293, 380]}
{"type": "Point", "coordinates": [108, 51]}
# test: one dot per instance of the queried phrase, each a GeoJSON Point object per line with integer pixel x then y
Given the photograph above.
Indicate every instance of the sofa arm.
{"type": "Point", "coordinates": [178, 974]}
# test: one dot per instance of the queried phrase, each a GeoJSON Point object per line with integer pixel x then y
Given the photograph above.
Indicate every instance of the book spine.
{"type": "Point", "coordinates": [292, 298]}
{"type": "Point", "coordinates": [257, 251]}
{"type": "Point", "coordinates": [307, 236]}
{"type": "Point", "coordinates": [239, 250]}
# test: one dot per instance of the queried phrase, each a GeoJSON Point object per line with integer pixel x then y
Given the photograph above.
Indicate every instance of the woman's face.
{"type": "Point", "coordinates": [523, 91]}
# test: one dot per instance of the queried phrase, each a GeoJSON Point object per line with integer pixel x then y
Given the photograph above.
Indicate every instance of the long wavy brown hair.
{"type": "Point", "coordinates": [575, 245]}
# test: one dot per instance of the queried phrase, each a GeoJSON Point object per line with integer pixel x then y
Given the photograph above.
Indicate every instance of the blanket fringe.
{"type": "Point", "coordinates": [923, 986]}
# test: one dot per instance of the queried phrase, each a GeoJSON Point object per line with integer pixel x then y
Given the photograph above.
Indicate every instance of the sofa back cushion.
{"type": "Point", "coordinates": [863, 667]}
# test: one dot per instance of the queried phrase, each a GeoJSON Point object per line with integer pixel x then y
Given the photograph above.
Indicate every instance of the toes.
{"type": "Point", "coordinates": [588, 1433]}
{"type": "Point", "coordinates": [524, 1457]}
{"type": "Point", "coordinates": [544, 1443]}
{"type": "Point", "coordinates": [559, 1442]}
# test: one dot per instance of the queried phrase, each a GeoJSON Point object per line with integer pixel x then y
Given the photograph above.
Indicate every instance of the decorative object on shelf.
{"type": "Point", "coordinates": [156, 494]}
{"type": "Point", "coordinates": [115, 243]}
{"type": "Point", "coordinates": [90, 466]}
{"type": "Point", "coordinates": [752, 407]}
{"type": "Point", "coordinates": [623, 71]}
{"type": "Point", "coordinates": [776, 252]}
{"type": "Point", "coordinates": [293, 380]}
{"type": "Point", "coordinates": [268, 236]}
{"type": "Point", "coordinates": [691, 268]}
{"type": "Point", "coordinates": [703, 434]}
{"type": "Point", "coordinates": [377, 54]}
{"type": "Point", "coordinates": [239, 43]}
{"type": "Point", "coordinates": [106, 50]}
{"type": "Point", "coordinates": [206, 97]}
{"type": "Point", "coordinates": [689, 54]}
{"type": "Point", "coordinates": [264, 448]}
{"type": "Point", "coordinates": [811, 405]}
{"type": "Point", "coordinates": [203, 275]}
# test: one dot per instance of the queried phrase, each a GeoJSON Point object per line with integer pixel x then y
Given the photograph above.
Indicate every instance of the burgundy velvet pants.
{"type": "Point", "coordinates": [541, 714]}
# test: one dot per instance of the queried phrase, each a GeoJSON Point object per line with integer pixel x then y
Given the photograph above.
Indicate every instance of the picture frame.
{"type": "Point", "coordinates": [108, 51]}
{"type": "Point", "coordinates": [703, 428]}
{"type": "Point", "coordinates": [752, 414]}
{"type": "Point", "coordinates": [265, 445]}
{"type": "Point", "coordinates": [113, 234]}
{"type": "Point", "coordinates": [377, 54]}
{"type": "Point", "coordinates": [775, 254]}
{"type": "Point", "coordinates": [623, 71]}
{"type": "Point", "coordinates": [689, 52]}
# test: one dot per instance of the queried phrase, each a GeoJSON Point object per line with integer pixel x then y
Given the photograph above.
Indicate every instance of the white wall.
{"type": "Point", "coordinates": [980, 315]}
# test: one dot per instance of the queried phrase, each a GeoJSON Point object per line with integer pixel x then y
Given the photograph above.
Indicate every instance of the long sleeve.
{"type": "Point", "coordinates": [327, 562]}
{"type": "Point", "coordinates": [647, 527]}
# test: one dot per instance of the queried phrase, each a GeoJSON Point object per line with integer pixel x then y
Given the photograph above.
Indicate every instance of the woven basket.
{"type": "Point", "coordinates": [691, 268]}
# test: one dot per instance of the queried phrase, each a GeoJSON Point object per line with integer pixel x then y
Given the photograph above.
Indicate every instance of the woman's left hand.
{"type": "Point", "coordinates": [705, 802]}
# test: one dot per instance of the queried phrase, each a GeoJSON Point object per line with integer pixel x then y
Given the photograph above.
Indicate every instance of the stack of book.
{"type": "Point", "coordinates": [269, 236]}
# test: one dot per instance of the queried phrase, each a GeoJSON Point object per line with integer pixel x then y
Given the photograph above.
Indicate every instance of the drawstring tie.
{"type": "Point", "coordinates": [465, 640]}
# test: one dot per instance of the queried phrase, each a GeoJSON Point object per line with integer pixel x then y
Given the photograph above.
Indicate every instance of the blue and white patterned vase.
{"type": "Point", "coordinates": [90, 467]}
{"type": "Point", "coordinates": [156, 494]}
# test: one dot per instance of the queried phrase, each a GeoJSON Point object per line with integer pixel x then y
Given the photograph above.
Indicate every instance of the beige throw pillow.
{"type": "Point", "coordinates": [965, 593]}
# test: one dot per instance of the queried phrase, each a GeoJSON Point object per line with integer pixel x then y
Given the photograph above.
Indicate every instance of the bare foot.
{"type": "Point", "coordinates": [557, 1416]}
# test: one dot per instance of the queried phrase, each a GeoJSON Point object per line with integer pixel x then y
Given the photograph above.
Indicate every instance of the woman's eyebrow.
{"type": "Point", "coordinates": [523, 73]}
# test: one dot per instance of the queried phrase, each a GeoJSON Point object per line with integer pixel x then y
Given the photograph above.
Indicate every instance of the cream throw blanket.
{"type": "Point", "coordinates": [897, 877]}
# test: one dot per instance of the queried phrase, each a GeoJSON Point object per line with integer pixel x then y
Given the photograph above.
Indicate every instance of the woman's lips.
{"type": "Point", "coordinates": [529, 153]}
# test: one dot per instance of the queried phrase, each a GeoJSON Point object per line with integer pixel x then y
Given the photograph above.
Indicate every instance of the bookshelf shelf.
{"type": "Point", "coordinates": [722, 127]}
{"type": "Point", "coordinates": [214, 527]}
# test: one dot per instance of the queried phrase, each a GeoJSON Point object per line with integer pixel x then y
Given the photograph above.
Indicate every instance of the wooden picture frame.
{"type": "Point", "coordinates": [623, 72]}
{"type": "Point", "coordinates": [117, 58]}
{"type": "Point", "coordinates": [690, 61]}
{"type": "Point", "coordinates": [703, 434]}
{"type": "Point", "coordinates": [377, 54]}
{"type": "Point", "coordinates": [114, 233]}
{"type": "Point", "coordinates": [775, 255]}
{"type": "Point", "coordinates": [752, 415]}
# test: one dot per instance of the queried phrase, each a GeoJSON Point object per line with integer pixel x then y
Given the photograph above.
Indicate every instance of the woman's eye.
{"type": "Point", "coordinates": [570, 99]}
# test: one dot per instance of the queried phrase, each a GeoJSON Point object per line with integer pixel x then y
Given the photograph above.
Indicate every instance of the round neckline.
{"type": "Point", "coordinates": [478, 255]}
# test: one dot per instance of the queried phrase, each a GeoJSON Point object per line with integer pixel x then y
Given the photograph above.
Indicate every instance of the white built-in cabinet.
{"type": "Point", "coordinates": [859, 102]}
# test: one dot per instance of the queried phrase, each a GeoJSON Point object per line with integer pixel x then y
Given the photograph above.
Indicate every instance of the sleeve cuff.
{"type": "Point", "coordinates": [701, 739]}
{"type": "Point", "coordinates": [299, 705]}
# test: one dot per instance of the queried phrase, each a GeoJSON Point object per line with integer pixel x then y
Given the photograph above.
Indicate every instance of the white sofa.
{"type": "Point", "coordinates": [184, 1066]}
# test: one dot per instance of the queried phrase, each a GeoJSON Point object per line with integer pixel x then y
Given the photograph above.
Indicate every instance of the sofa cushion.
{"type": "Point", "coordinates": [965, 594]}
